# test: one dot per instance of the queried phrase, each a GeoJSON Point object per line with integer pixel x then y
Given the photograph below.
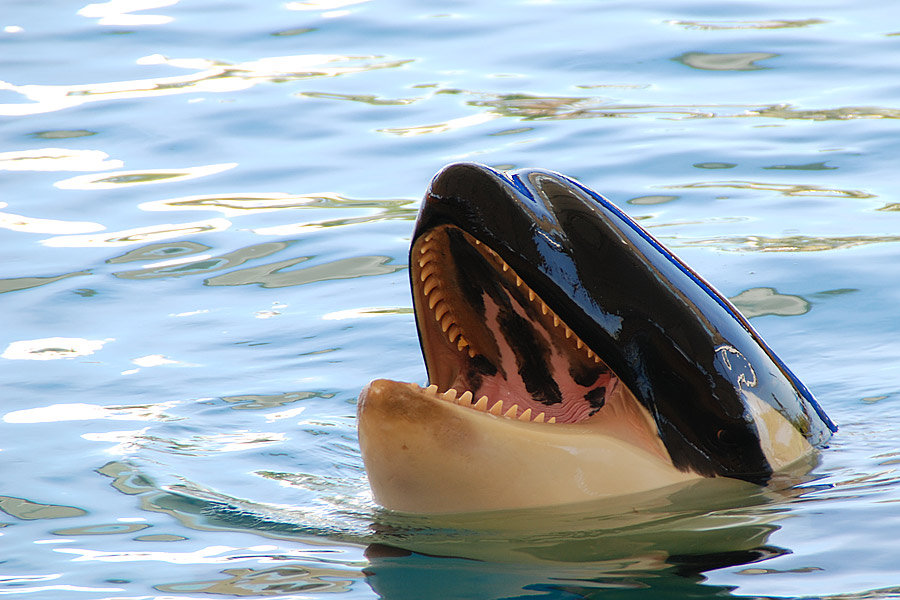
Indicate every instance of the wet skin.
{"type": "Point", "coordinates": [570, 357]}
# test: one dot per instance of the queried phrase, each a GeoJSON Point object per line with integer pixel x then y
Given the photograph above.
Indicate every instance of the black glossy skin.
{"type": "Point", "coordinates": [683, 349]}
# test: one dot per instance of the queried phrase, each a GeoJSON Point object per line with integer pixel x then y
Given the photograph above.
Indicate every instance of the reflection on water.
{"type": "Point", "coordinates": [793, 243]}
{"type": "Point", "coordinates": [57, 159]}
{"type": "Point", "coordinates": [729, 25]}
{"type": "Point", "coordinates": [261, 401]}
{"type": "Point", "coordinates": [27, 510]}
{"type": "Point", "coordinates": [193, 265]}
{"type": "Point", "coordinates": [52, 348]}
{"type": "Point", "coordinates": [119, 179]}
{"type": "Point", "coordinates": [787, 189]}
{"type": "Point", "coordinates": [137, 235]}
{"type": "Point", "coordinates": [274, 581]}
{"type": "Point", "coordinates": [739, 61]}
{"type": "Point", "coordinates": [274, 275]}
{"type": "Point", "coordinates": [119, 12]}
{"type": "Point", "coordinates": [23, 283]}
{"type": "Point", "coordinates": [757, 302]}
{"type": "Point", "coordinates": [209, 76]}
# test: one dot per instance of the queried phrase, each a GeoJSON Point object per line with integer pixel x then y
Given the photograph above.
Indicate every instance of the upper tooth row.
{"type": "Point", "coordinates": [482, 404]}
{"type": "Point", "coordinates": [544, 308]}
{"type": "Point", "coordinates": [432, 289]}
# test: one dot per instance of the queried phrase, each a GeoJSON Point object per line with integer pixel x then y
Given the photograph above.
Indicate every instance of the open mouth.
{"type": "Point", "coordinates": [492, 344]}
{"type": "Point", "coordinates": [570, 356]}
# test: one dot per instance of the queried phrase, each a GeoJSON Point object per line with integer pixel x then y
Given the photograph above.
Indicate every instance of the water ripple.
{"type": "Point", "coordinates": [209, 76]}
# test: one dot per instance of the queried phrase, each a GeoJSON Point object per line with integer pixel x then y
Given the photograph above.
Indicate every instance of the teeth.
{"type": "Point", "coordinates": [426, 258]}
{"type": "Point", "coordinates": [544, 308]}
{"type": "Point", "coordinates": [427, 272]}
{"type": "Point", "coordinates": [434, 298]}
{"type": "Point", "coordinates": [568, 333]}
{"type": "Point", "coordinates": [430, 285]}
{"type": "Point", "coordinates": [555, 321]}
{"type": "Point", "coordinates": [579, 343]}
{"type": "Point", "coordinates": [472, 353]}
{"type": "Point", "coordinates": [518, 281]}
{"type": "Point", "coordinates": [505, 267]}
{"type": "Point", "coordinates": [453, 332]}
{"type": "Point", "coordinates": [465, 400]}
{"type": "Point", "coordinates": [530, 295]}
{"type": "Point", "coordinates": [440, 309]}
{"type": "Point", "coordinates": [447, 321]}
{"type": "Point", "coordinates": [429, 236]}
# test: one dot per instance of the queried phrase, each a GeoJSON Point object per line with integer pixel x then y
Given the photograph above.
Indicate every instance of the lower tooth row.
{"type": "Point", "coordinates": [482, 405]}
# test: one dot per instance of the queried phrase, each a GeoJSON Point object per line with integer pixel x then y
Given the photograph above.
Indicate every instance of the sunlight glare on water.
{"type": "Point", "coordinates": [205, 217]}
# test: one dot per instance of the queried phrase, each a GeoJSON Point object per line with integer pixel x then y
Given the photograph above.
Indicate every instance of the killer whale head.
{"type": "Point", "coordinates": [563, 342]}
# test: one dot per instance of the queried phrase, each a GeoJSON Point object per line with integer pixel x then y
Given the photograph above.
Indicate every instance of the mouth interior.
{"type": "Point", "coordinates": [492, 344]}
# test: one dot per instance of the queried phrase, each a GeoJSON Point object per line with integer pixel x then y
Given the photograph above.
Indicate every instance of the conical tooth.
{"type": "Point", "coordinates": [440, 309]}
{"type": "Point", "coordinates": [472, 352]}
{"type": "Point", "coordinates": [477, 243]}
{"type": "Point", "coordinates": [597, 359]}
{"type": "Point", "coordinates": [453, 332]}
{"type": "Point", "coordinates": [431, 389]}
{"type": "Point", "coordinates": [465, 399]}
{"type": "Point", "coordinates": [505, 267]}
{"type": "Point", "coordinates": [447, 321]}
{"type": "Point", "coordinates": [449, 395]}
{"type": "Point", "coordinates": [430, 285]}
{"type": "Point", "coordinates": [434, 298]}
{"type": "Point", "coordinates": [530, 295]}
{"type": "Point", "coordinates": [525, 416]}
{"type": "Point", "coordinates": [425, 259]}
{"type": "Point", "coordinates": [539, 418]}
{"type": "Point", "coordinates": [544, 308]}
{"type": "Point", "coordinates": [429, 236]}
{"type": "Point", "coordinates": [496, 408]}
{"type": "Point", "coordinates": [590, 353]}
{"type": "Point", "coordinates": [555, 321]}
{"type": "Point", "coordinates": [481, 404]}
{"type": "Point", "coordinates": [568, 333]}
{"type": "Point", "coordinates": [518, 281]}
{"type": "Point", "coordinates": [551, 420]}
{"type": "Point", "coordinates": [512, 412]}
{"type": "Point", "coordinates": [427, 271]}
{"type": "Point", "coordinates": [461, 343]}
{"type": "Point", "coordinates": [579, 343]}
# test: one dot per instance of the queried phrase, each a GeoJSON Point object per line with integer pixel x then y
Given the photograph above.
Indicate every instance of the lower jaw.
{"type": "Point", "coordinates": [426, 455]}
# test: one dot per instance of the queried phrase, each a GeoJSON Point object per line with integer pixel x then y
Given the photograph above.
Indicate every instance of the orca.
{"type": "Point", "coordinates": [570, 357]}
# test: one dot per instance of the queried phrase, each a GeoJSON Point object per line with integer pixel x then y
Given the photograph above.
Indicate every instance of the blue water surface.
{"type": "Point", "coordinates": [206, 209]}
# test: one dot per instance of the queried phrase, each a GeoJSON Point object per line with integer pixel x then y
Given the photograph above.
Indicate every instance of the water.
{"type": "Point", "coordinates": [206, 209]}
